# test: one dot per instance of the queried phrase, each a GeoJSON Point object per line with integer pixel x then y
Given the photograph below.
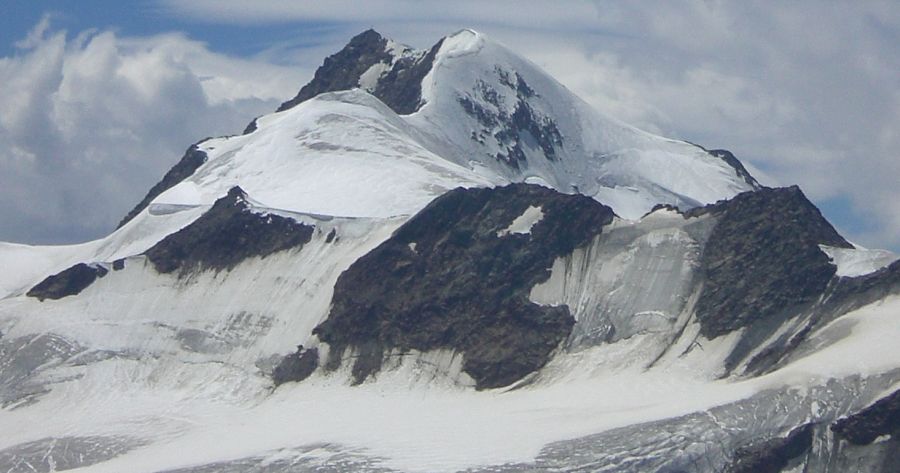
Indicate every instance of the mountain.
{"type": "Point", "coordinates": [414, 124]}
{"type": "Point", "coordinates": [443, 260]}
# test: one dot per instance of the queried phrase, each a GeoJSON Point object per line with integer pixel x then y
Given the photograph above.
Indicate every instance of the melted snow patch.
{"type": "Point", "coordinates": [859, 261]}
{"type": "Point", "coordinates": [523, 223]}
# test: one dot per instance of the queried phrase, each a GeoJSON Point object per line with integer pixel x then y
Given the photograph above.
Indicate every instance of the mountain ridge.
{"type": "Point", "coordinates": [400, 278]}
{"type": "Point", "coordinates": [507, 142]}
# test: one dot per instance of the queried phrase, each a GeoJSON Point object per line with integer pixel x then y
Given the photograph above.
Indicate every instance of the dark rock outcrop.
{"type": "Point", "coordinates": [881, 418]}
{"type": "Point", "coordinates": [762, 260]}
{"type": "Point", "coordinates": [449, 278]}
{"type": "Point", "coordinates": [341, 71]}
{"type": "Point", "coordinates": [225, 235]}
{"type": "Point", "coordinates": [297, 366]}
{"type": "Point", "coordinates": [400, 87]}
{"type": "Point", "coordinates": [850, 293]}
{"type": "Point", "coordinates": [842, 295]}
{"type": "Point", "coordinates": [735, 163]}
{"type": "Point", "coordinates": [193, 158]}
{"type": "Point", "coordinates": [251, 127]}
{"type": "Point", "coordinates": [69, 282]}
{"type": "Point", "coordinates": [510, 130]}
{"type": "Point", "coordinates": [773, 455]}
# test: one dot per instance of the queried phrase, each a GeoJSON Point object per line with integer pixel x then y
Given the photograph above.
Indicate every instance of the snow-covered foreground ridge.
{"type": "Point", "coordinates": [354, 285]}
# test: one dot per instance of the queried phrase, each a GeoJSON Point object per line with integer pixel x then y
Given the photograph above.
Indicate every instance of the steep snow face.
{"type": "Point", "coordinates": [339, 154]}
{"type": "Point", "coordinates": [854, 262]}
{"type": "Point", "coordinates": [635, 279]}
{"type": "Point", "coordinates": [475, 103]}
{"type": "Point", "coordinates": [486, 107]}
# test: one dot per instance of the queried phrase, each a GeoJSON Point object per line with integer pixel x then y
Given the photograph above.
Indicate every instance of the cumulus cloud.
{"type": "Point", "coordinates": [88, 123]}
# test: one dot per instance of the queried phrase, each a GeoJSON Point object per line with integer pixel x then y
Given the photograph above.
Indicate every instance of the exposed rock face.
{"type": "Point", "coordinates": [735, 163]}
{"type": "Point", "coordinates": [399, 87]}
{"type": "Point", "coordinates": [225, 235]}
{"type": "Point", "coordinates": [193, 158]}
{"type": "Point", "coordinates": [341, 71]}
{"type": "Point", "coordinates": [881, 418]}
{"type": "Point", "coordinates": [296, 366]}
{"type": "Point", "coordinates": [250, 128]}
{"type": "Point", "coordinates": [68, 282]}
{"type": "Point", "coordinates": [509, 129]}
{"type": "Point", "coordinates": [773, 455]}
{"type": "Point", "coordinates": [451, 278]}
{"type": "Point", "coordinates": [852, 293]}
{"type": "Point", "coordinates": [843, 294]}
{"type": "Point", "coordinates": [762, 259]}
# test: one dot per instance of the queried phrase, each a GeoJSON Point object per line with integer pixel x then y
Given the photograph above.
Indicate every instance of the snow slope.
{"type": "Point", "coordinates": [597, 155]}
{"type": "Point", "coordinates": [339, 154]}
{"type": "Point", "coordinates": [153, 372]}
{"type": "Point", "coordinates": [858, 261]}
{"type": "Point", "coordinates": [345, 153]}
{"type": "Point", "coordinates": [169, 402]}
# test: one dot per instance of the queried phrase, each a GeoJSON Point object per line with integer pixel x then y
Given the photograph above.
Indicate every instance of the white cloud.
{"type": "Point", "coordinates": [88, 124]}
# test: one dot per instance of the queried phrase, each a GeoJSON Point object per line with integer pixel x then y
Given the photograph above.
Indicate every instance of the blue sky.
{"type": "Point", "coordinates": [101, 97]}
{"type": "Point", "coordinates": [143, 18]}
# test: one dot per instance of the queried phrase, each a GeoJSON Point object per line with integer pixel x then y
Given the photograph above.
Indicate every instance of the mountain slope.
{"type": "Point", "coordinates": [371, 280]}
{"type": "Point", "coordinates": [469, 108]}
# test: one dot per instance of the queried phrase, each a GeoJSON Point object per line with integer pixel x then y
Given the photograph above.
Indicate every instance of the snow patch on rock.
{"type": "Point", "coordinates": [523, 223]}
{"type": "Point", "coordinates": [859, 261]}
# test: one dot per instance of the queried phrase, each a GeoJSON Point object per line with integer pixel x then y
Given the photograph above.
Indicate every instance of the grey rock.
{"type": "Point", "coordinates": [464, 287]}
{"type": "Point", "coordinates": [225, 235]}
{"type": "Point", "coordinates": [68, 282]}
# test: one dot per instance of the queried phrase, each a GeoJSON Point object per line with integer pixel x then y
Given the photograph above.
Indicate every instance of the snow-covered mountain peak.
{"type": "Point", "coordinates": [485, 106]}
{"type": "Point", "coordinates": [465, 41]}
{"type": "Point", "coordinates": [368, 255]}
{"type": "Point", "coordinates": [468, 110]}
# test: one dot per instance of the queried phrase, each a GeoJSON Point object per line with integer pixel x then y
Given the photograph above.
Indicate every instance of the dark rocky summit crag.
{"type": "Point", "coordinates": [762, 259]}
{"type": "Point", "coordinates": [399, 87]}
